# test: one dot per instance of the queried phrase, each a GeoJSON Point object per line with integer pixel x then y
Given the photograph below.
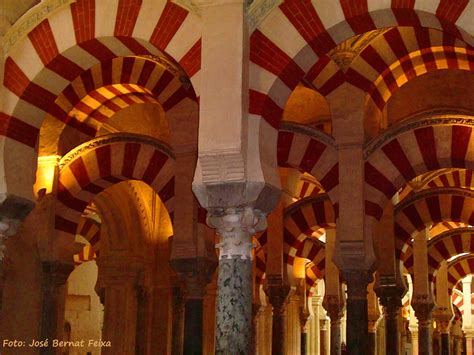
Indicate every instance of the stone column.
{"type": "Point", "coordinates": [234, 285]}
{"type": "Point", "coordinates": [357, 311]}
{"type": "Point", "coordinates": [55, 275]}
{"type": "Point", "coordinates": [469, 336]}
{"type": "Point", "coordinates": [278, 293]}
{"type": "Point", "coordinates": [423, 307]}
{"type": "Point", "coordinates": [414, 340]}
{"type": "Point", "coordinates": [304, 323]}
{"type": "Point", "coordinates": [117, 286]}
{"type": "Point", "coordinates": [143, 317]}
{"type": "Point", "coordinates": [177, 344]}
{"type": "Point", "coordinates": [443, 322]}
{"type": "Point", "coordinates": [335, 310]}
{"type": "Point", "coordinates": [391, 299]}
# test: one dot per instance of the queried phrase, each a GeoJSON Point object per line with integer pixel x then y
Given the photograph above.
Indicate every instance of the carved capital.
{"type": "Point", "coordinates": [357, 282]}
{"type": "Point", "coordinates": [334, 307]}
{"type": "Point", "coordinates": [195, 274]}
{"type": "Point", "coordinates": [235, 227]}
{"type": "Point", "coordinates": [423, 306]}
{"type": "Point", "coordinates": [277, 292]}
{"type": "Point", "coordinates": [443, 318]}
{"type": "Point", "coordinates": [390, 296]}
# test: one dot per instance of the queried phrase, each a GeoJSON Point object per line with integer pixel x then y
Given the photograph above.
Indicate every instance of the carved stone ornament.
{"type": "Point", "coordinates": [236, 226]}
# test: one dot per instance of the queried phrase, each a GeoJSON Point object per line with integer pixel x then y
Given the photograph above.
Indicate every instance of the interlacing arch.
{"type": "Point", "coordinates": [461, 178]}
{"type": "Point", "coordinates": [294, 39]}
{"type": "Point", "coordinates": [426, 142]}
{"type": "Point", "coordinates": [98, 93]}
{"type": "Point", "coordinates": [74, 39]}
{"type": "Point", "coordinates": [458, 269]}
{"type": "Point", "coordinates": [428, 207]}
{"type": "Point", "coordinates": [443, 247]}
{"type": "Point", "coordinates": [311, 151]}
{"type": "Point", "coordinates": [403, 53]}
{"type": "Point", "coordinates": [89, 229]}
{"type": "Point", "coordinates": [122, 157]}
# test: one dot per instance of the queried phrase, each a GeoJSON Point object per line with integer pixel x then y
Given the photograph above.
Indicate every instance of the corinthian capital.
{"type": "Point", "coordinates": [236, 226]}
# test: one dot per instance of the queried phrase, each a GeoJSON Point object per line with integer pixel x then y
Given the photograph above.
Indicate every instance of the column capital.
{"type": "Point", "coordinates": [443, 318]}
{"type": "Point", "coordinates": [195, 274]}
{"type": "Point", "coordinates": [390, 295]}
{"type": "Point", "coordinates": [277, 291]}
{"type": "Point", "coordinates": [423, 306]}
{"type": "Point", "coordinates": [357, 281]}
{"type": "Point", "coordinates": [334, 307]}
{"type": "Point", "coordinates": [236, 226]}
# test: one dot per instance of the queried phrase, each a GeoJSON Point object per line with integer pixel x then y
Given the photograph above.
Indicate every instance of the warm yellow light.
{"type": "Point", "coordinates": [299, 268]}
{"type": "Point", "coordinates": [45, 173]}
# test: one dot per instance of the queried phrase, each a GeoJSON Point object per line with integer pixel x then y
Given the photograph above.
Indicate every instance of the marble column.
{"type": "Point", "coordinates": [55, 275]}
{"type": "Point", "coordinates": [177, 344]}
{"type": "Point", "coordinates": [469, 336]}
{"type": "Point", "coordinates": [423, 307]}
{"type": "Point", "coordinates": [278, 293]}
{"type": "Point", "coordinates": [304, 323]}
{"type": "Point", "coordinates": [414, 341]}
{"type": "Point", "coordinates": [443, 322]}
{"type": "Point", "coordinates": [234, 284]}
{"type": "Point", "coordinates": [357, 311]}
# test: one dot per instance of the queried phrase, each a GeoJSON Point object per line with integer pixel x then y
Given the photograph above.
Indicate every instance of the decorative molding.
{"type": "Point", "coordinates": [308, 131]}
{"type": "Point", "coordinates": [225, 166]}
{"type": "Point", "coordinates": [113, 138]}
{"type": "Point", "coordinates": [29, 20]}
{"type": "Point", "coordinates": [450, 233]}
{"type": "Point", "coordinates": [437, 117]}
{"type": "Point", "coordinates": [258, 10]}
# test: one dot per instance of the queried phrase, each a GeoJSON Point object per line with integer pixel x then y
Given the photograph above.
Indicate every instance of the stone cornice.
{"type": "Point", "coordinates": [113, 138]}
{"type": "Point", "coordinates": [436, 117]}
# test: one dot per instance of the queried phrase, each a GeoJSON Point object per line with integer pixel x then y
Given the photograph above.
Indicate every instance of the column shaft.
{"type": "Point", "coordinates": [425, 339]}
{"type": "Point", "coordinates": [54, 290]}
{"type": "Point", "coordinates": [193, 327]}
{"type": "Point", "coordinates": [234, 306]}
{"type": "Point", "coordinates": [177, 345]}
{"type": "Point", "coordinates": [445, 346]}
{"type": "Point", "coordinates": [372, 343]}
{"type": "Point", "coordinates": [335, 346]}
{"type": "Point", "coordinates": [322, 337]}
{"type": "Point", "coordinates": [391, 314]}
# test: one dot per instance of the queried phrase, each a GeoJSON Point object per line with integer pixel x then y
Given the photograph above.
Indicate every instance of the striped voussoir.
{"type": "Point", "coordinates": [310, 151]}
{"type": "Point", "coordinates": [427, 207]}
{"type": "Point", "coordinates": [458, 269]}
{"type": "Point", "coordinates": [98, 93]}
{"type": "Point", "coordinates": [404, 53]}
{"type": "Point", "coordinates": [461, 178]}
{"type": "Point", "coordinates": [122, 157]}
{"type": "Point", "coordinates": [457, 299]}
{"type": "Point", "coordinates": [301, 220]}
{"type": "Point", "coordinates": [445, 246]}
{"type": "Point", "coordinates": [293, 41]}
{"type": "Point", "coordinates": [427, 142]}
{"type": "Point", "coordinates": [77, 37]}
{"type": "Point", "coordinates": [89, 229]}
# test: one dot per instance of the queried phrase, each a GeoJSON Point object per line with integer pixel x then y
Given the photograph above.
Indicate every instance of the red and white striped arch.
{"type": "Point", "coordinates": [98, 164]}
{"type": "Point", "coordinates": [301, 220]}
{"type": "Point", "coordinates": [457, 300]}
{"type": "Point", "coordinates": [291, 40]}
{"type": "Point", "coordinates": [98, 93]}
{"type": "Point", "coordinates": [459, 269]}
{"type": "Point", "coordinates": [403, 53]}
{"type": "Point", "coordinates": [428, 207]}
{"type": "Point", "coordinates": [89, 229]}
{"type": "Point", "coordinates": [310, 151]}
{"type": "Point", "coordinates": [461, 178]}
{"type": "Point", "coordinates": [307, 187]}
{"type": "Point", "coordinates": [75, 38]}
{"type": "Point", "coordinates": [410, 149]}
{"type": "Point", "coordinates": [445, 246]}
